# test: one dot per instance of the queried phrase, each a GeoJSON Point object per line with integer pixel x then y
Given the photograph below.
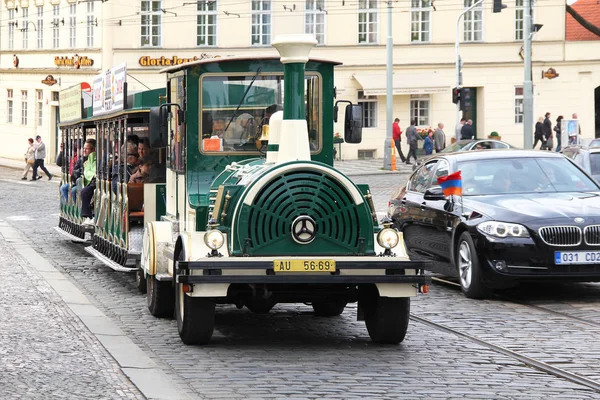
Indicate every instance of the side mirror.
{"type": "Point", "coordinates": [353, 124]}
{"type": "Point", "coordinates": [434, 193]}
{"type": "Point", "coordinates": [158, 127]}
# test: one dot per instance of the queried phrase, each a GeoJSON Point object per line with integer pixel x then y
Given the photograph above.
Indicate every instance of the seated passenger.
{"type": "Point", "coordinates": [144, 148]}
{"type": "Point", "coordinates": [89, 181]}
{"type": "Point", "coordinates": [143, 171]}
{"type": "Point", "coordinates": [130, 169]}
{"type": "Point", "coordinates": [240, 130]}
{"type": "Point", "coordinates": [502, 182]}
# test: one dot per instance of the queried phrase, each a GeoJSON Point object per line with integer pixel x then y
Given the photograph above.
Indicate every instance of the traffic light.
{"type": "Point", "coordinates": [455, 95]}
{"type": "Point", "coordinates": [465, 99]}
{"type": "Point", "coordinates": [498, 6]}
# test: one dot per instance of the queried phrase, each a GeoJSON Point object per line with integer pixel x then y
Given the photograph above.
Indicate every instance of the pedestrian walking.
{"type": "Point", "coordinates": [397, 134]}
{"type": "Point", "coordinates": [428, 145]}
{"type": "Point", "coordinates": [40, 155]}
{"type": "Point", "coordinates": [547, 130]}
{"type": "Point", "coordinates": [558, 131]}
{"type": "Point", "coordinates": [466, 133]}
{"type": "Point", "coordinates": [439, 138]}
{"type": "Point", "coordinates": [459, 128]}
{"type": "Point", "coordinates": [575, 135]}
{"type": "Point", "coordinates": [29, 159]}
{"type": "Point", "coordinates": [413, 138]}
{"type": "Point", "coordinates": [538, 135]}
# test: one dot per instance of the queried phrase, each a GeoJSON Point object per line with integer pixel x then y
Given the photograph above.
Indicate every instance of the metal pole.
{"type": "Point", "coordinates": [459, 61]}
{"type": "Point", "coordinates": [387, 152]}
{"type": "Point", "coordinates": [527, 81]}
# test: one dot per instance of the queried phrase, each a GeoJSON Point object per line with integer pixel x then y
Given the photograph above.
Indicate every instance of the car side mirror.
{"type": "Point", "coordinates": [353, 124]}
{"type": "Point", "coordinates": [434, 193]}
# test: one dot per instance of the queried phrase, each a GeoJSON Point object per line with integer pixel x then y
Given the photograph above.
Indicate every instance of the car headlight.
{"type": "Point", "coordinates": [214, 239]}
{"type": "Point", "coordinates": [503, 229]}
{"type": "Point", "coordinates": [388, 238]}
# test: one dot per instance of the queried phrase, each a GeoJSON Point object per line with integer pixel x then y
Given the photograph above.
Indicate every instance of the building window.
{"type": "Point", "coordinates": [24, 28]}
{"type": "Point", "coordinates": [11, 29]}
{"type": "Point", "coordinates": [9, 106]}
{"type": "Point", "coordinates": [519, 14]}
{"type": "Point", "coordinates": [369, 109]}
{"type": "Point", "coordinates": [206, 30]}
{"type": "Point", "coordinates": [261, 22]}
{"type": "Point", "coordinates": [473, 23]}
{"type": "Point", "coordinates": [55, 28]}
{"type": "Point", "coordinates": [23, 107]}
{"type": "Point", "coordinates": [73, 25]}
{"type": "Point", "coordinates": [367, 21]}
{"type": "Point", "coordinates": [419, 109]}
{"type": "Point", "coordinates": [420, 21]}
{"type": "Point", "coordinates": [90, 23]}
{"type": "Point", "coordinates": [151, 22]}
{"type": "Point", "coordinates": [40, 106]}
{"type": "Point", "coordinates": [40, 27]}
{"type": "Point", "coordinates": [314, 19]}
{"type": "Point", "coordinates": [518, 105]}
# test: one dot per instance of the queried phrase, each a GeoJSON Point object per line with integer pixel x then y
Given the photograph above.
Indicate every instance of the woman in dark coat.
{"type": "Point", "coordinates": [558, 131]}
{"type": "Point", "coordinates": [539, 132]}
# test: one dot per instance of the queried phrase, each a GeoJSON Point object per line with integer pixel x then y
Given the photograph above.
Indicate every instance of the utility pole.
{"type": "Point", "coordinates": [527, 81]}
{"type": "Point", "coordinates": [459, 61]}
{"type": "Point", "coordinates": [387, 147]}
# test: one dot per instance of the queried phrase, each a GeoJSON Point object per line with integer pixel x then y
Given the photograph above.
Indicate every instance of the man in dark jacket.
{"type": "Point", "coordinates": [413, 137]}
{"type": "Point", "coordinates": [466, 133]}
{"type": "Point", "coordinates": [547, 127]}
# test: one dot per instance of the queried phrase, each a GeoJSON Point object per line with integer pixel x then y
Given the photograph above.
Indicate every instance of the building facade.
{"type": "Point", "coordinates": [50, 45]}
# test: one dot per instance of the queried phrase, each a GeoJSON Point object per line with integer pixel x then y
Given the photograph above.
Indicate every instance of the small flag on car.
{"type": "Point", "coordinates": [451, 184]}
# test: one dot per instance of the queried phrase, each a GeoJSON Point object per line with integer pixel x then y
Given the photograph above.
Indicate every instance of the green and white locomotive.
{"type": "Point", "coordinates": [256, 214]}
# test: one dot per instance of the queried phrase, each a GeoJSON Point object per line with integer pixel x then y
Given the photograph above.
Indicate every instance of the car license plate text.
{"type": "Point", "coordinates": [304, 265]}
{"type": "Point", "coordinates": [576, 257]}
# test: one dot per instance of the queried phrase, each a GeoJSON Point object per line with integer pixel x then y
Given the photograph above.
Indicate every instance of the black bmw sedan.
{"type": "Point", "coordinates": [523, 216]}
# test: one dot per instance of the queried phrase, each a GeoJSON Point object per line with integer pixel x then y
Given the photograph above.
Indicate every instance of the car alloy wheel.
{"type": "Point", "coordinates": [465, 264]}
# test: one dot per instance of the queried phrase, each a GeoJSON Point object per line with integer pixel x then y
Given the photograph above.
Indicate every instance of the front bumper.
{"type": "Point", "coordinates": [525, 258]}
{"type": "Point", "coordinates": [259, 270]}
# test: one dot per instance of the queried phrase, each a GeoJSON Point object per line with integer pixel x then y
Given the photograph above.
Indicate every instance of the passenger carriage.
{"type": "Point", "coordinates": [120, 208]}
{"type": "Point", "coordinates": [256, 214]}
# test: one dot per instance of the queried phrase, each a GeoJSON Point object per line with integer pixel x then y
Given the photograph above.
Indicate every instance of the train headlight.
{"type": "Point", "coordinates": [388, 238]}
{"type": "Point", "coordinates": [214, 239]}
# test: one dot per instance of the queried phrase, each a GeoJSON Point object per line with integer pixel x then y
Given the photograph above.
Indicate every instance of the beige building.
{"type": "Point", "coordinates": [49, 45]}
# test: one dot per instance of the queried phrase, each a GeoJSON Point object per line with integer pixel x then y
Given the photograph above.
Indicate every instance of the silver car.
{"type": "Point", "coordinates": [468, 145]}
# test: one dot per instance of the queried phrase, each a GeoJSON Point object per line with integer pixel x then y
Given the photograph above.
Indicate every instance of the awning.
{"type": "Point", "coordinates": [412, 83]}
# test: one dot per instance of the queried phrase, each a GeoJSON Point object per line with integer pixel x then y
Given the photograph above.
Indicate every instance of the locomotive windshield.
{"type": "Point", "coordinates": [234, 109]}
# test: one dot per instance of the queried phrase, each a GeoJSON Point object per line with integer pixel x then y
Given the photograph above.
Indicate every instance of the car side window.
{"type": "Point", "coordinates": [498, 145]}
{"type": "Point", "coordinates": [442, 170]}
{"type": "Point", "coordinates": [421, 180]}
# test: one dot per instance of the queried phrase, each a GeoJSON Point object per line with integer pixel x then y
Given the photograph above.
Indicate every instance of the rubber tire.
{"type": "Point", "coordinates": [331, 308]}
{"type": "Point", "coordinates": [140, 280]}
{"type": "Point", "coordinates": [195, 317]}
{"type": "Point", "coordinates": [387, 318]}
{"type": "Point", "coordinates": [160, 297]}
{"type": "Point", "coordinates": [476, 290]}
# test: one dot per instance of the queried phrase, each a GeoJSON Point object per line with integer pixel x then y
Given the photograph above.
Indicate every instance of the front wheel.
{"type": "Point", "coordinates": [469, 271]}
{"type": "Point", "coordinates": [386, 318]}
{"type": "Point", "coordinates": [160, 297]}
{"type": "Point", "coordinates": [195, 317]}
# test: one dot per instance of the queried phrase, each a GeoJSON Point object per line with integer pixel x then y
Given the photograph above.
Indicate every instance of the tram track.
{"type": "Point", "coordinates": [529, 361]}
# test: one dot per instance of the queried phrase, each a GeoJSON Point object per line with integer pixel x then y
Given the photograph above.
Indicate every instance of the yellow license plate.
{"type": "Point", "coordinates": [304, 265]}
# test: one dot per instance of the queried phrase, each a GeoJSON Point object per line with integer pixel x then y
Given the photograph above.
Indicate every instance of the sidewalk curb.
{"type": "Point", "coordinates": [134, 363]}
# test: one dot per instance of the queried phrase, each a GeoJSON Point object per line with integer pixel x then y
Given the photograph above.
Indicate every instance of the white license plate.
{"type": "Point", "coordinates": [576, 257]}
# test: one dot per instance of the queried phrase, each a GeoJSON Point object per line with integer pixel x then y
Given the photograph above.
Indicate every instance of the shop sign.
{"type": "Point", "coordinates": [74, 62]}
{"type": "Point", "coordinates": [147, 61]}
{"type": "Point", "coordinates": [49, 80]}
{"type": "Point", "coordinates": [550, 74]}
{"type": "Point", "coordinates": [69, 101]}
{"type": "Point", "coordinates": [109, 90]}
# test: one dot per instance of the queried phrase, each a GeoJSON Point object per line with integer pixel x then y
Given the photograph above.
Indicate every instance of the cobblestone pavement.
{"type": "Point", "coordinates": [45, 351]}
{"type": "Point", "coordinates": [290, 353]}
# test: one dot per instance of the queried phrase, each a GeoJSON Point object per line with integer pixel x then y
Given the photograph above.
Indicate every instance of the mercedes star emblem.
{"type": "Point", "coordinates": [304, 229]}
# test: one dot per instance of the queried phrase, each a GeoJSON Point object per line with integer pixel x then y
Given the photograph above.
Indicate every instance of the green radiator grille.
{"type": "Point", "coordinates": [265, 227]}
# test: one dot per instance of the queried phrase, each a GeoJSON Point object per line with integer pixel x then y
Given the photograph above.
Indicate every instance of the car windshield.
{"type": "Point", "coordinates": [456, 146]}
{"type": "Point", "coordinates": [595, 143]}
{"type": "Point", "coordinates": [523, 175]}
